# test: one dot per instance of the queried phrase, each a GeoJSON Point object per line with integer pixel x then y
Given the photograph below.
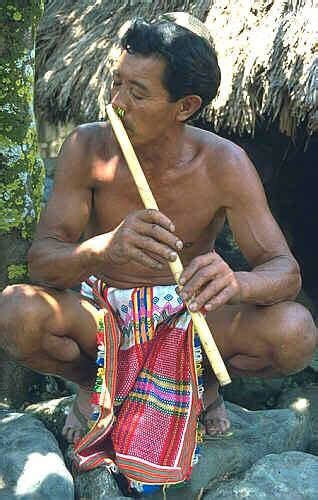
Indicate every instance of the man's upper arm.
{"type": "Point", "coordinates": [69, 206]}
{"type": "Point", "coordinates": [255, 230]}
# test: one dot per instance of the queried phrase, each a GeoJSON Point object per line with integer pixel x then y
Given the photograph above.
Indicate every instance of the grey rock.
{"type": "Point", "coordinates": [258, 393]}
{"type": "Point", "coordinates": [304, 400]}
{"type": "Point", "coordinates": [53, 414]}
{"type": "Point", "coordinates": [254, 393]}
{"type": "Point", "coordinates": [288, 476]}
{"type": "Point", "coordinates": [314, 362]}
{"type": "Point", "coordinates": [20, 386]}
{"type": "Point", "coordinates": [97, 484]}
{"type": "Point", "coordinates": [31, 463]}
{"type": "Point", "coordinates": [254, 434]}
{"type": "Point", "coordinates": [16, 383]}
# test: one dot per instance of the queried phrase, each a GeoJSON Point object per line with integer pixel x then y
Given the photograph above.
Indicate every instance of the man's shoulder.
{"type": "Point", "coordinates": [93, 128]}
{"type": "Point", "coordinates": [85, 145]}
{"type": "Point", "coordinates": [88, 142]}
{"type": "Point", "coordinates": [222, 154]}
{"type": "Point", "coordinates": [92, 133]}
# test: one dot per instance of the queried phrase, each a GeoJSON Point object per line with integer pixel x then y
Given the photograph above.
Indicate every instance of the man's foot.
{"type": "Point", "coordinates": [76, 422]}
{"type": "Point", "coordinates": [215, 418]}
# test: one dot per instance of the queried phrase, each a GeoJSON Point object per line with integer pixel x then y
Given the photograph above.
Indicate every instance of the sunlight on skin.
{"type": "Point", "coordinates": [108, 175]}
{"type": "Point", "coordinates": [51, 301]}
{"type": "Point", "coordinates": [29, 292]}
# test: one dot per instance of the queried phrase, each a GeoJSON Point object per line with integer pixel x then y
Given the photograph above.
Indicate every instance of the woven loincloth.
{"type": "Point", "coordinates": [147, 396]}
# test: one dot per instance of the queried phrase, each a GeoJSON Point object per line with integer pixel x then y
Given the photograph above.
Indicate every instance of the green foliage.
{"type": "Point", "coordinates": [22, 171]}
{"type": "Point", "coordinates": [17, 273]}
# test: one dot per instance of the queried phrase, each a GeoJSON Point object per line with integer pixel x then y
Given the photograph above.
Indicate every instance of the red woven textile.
{"type": "Point", "coordinates": [147, 378]}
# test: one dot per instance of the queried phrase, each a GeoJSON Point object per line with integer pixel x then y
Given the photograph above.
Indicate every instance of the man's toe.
{"type": "Point", "coordinates": [217, 426]}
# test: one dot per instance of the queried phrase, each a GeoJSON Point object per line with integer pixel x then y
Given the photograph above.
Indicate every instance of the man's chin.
{"type": "Point", "coordinates": [131, 136]}
{"type": "Point", "coordinates": [130, 132]}
{"type": "Point", "coordinates": [135, 139]}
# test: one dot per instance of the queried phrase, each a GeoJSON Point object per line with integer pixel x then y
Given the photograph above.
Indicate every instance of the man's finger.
{"type": "Point", "coordinates": [196, 264]}
{"type": "Point", "coordinates": [159, 234]}
{"type": "Point", "coordinates": [219, 300]}
{"type": "Point", "coordinates": [157, 217]}
{"type": "Point", "coordinates": [139, 256]}
{"type": "Point", "coordinates": [153, 246]}
{"type": "Point", "coordinates": [201, 278]}
{"type": "Point", "coordinates": [209, 292]}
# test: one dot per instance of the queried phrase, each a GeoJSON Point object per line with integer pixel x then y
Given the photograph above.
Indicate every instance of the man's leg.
{"type": "Point", "coordinates": [260, 341]}
{"type": "Point", "coordinates": [53, 332]}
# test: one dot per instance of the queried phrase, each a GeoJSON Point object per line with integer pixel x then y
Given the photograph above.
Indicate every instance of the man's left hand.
{"type": "Point", "coordinates": [209, 283]}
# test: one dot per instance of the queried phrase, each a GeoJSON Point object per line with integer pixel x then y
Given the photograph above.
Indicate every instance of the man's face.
{"type": "Point", "coordinates": [137, 88]}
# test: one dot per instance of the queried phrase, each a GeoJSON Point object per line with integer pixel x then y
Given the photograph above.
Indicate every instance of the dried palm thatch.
{"type": "Point", "coordinates": [267, 52]}
{"type": "Point", "coordinates": [269, 61]}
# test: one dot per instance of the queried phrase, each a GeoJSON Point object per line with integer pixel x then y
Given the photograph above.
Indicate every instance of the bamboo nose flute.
{"type": "Point", "coordinates": [176, 267]}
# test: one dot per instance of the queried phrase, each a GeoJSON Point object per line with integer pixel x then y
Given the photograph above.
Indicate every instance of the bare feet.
{"type": "Point", "coordinates": [77, 420]}
{"type": "Point", "coordinates": [214, 417]}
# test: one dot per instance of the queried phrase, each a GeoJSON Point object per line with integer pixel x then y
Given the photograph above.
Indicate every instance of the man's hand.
{"type": "Point", "coordinates": [146, 237]}
{"type": "Point", "coordinates": [209, 283]}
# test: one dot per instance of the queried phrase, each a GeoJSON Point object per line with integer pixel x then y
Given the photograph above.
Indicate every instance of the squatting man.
{"type": "Point", "coordinates": [95, 228]}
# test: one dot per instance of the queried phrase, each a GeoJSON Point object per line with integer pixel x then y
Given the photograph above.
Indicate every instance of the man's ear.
{"type": "Point", "coordinates": [187, 106]}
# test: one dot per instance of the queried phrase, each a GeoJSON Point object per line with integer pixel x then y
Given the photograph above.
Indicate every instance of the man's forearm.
{"type": "Point", "coordinates": [62, 265]}
{"type": "Point", "coordinates": [269, 283]}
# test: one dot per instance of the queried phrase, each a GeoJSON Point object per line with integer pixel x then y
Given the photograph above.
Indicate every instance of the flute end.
{"type": "Point", "coordinates": [223, 380]}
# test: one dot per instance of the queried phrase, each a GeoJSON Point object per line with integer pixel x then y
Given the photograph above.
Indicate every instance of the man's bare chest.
{"type": "Point", "coordinates": [188, 198]}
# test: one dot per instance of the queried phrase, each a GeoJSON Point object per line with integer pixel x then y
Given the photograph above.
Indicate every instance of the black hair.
{"type": "Point", "coordinates": [191, 61]}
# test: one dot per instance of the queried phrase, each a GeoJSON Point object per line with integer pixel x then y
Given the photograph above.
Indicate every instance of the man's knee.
{"type": "Point", "coordinates": [22, 315]}
{"type": "Point", "coordinates": [296, 337]}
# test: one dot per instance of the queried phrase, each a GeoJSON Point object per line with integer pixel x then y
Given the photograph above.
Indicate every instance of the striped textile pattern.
{"type": "Point", "coordinates": [147, 396]}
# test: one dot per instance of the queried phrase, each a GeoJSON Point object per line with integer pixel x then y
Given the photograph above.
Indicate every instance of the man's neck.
{"type": "Point", "coordinates": [166, 153]}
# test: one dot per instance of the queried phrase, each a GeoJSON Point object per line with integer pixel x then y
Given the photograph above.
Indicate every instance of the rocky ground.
{"type": "Point", "coordinates": [271, 451]}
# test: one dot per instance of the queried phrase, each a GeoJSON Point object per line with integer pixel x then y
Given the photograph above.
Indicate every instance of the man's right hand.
{"type": "Point", "coordinates": [145, 236]}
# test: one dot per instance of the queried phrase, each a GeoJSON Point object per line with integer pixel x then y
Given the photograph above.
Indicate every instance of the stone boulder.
{"type": "Point", "coordinates": [20, 386]}
{"type": "Point", "coordinates": [257, 393]}
{"type": "Point", "coordinates": [287, 476]}
{"type": "Point", "coordinates": [254, 434]}
{"type": "Point", "coordinates": [53, 414]}
{"type": "Point", "coordinates": [314, 361]}
{"type": "Point", "coordinates": [304, 400]}
{"type": "Point", "coordinates": [31, 463]}
{"type": "Point", "coordinates": [97, 484]}
{"type": "Point", "coordinates": [254, 393]}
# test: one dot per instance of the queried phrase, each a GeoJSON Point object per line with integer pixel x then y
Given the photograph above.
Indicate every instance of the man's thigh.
{"type": "Point", "coordinates": [30, 314]}
{"type": "Point", "coordinates": [238, 328]}
{"type": "Point", "coordinates": [281, 335]}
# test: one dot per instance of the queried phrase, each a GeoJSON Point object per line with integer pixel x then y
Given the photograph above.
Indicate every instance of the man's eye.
{"type": "Point", "coordinates": [136, 96]}
{"type": "Point", "coordinates": [116, 83]}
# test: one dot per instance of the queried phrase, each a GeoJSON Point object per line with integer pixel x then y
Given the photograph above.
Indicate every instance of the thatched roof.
{"type": "Point", "coordinates": [267, 52]}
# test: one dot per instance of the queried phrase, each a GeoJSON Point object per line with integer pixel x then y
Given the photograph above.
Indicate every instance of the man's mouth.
{"type": "Point", "coordinates": [127, 126]}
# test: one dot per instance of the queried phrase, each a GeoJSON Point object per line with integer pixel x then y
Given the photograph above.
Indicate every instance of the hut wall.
{"type": "Point", "coordinates": [290, 177]}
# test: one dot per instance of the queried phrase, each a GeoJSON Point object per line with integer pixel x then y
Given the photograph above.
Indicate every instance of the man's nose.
{"type": "Point", "coordinates": [118, 99]}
